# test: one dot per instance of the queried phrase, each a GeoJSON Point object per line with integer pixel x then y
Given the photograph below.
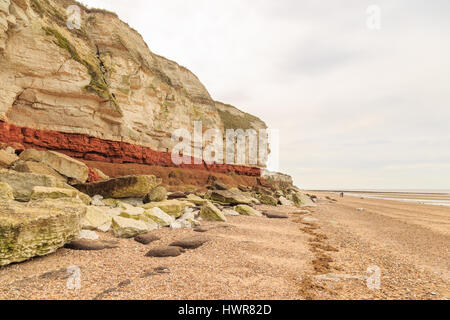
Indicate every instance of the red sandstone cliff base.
{"type": "Point", "coordinates": [94, 149]}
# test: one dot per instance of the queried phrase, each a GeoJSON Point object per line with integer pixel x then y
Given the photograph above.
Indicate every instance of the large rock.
{"type": "Point", "coordinates": [40, 193]}
{"type": "Point", "coordinates": [96, 219]}
{"type": "Point", "coordinates": [123, 187]}
{"type": "Point", "coordinates": [7, 159]}
{"type": "Point", "coordinates": [37, 228]}
{"type": "Point", "coordinates": [156, 195]}
{"type": "Point", "coordinates": [196, 200]}
{"type": "Point", "coordinates": [228, 197]}
{"type": "Point", "coordinates": [23, 183]}
{"type": "Point", "coordinates": [211, 213]}
{"type": "Point", "coordinates": [63, 164]}
{"type": "Point", "coordinates": [302, 200]}
{"type": "Point", "coordinates": [6, 192]}
{"type": "Point", "coordinates": [159, 216]}
{"type": "Point", "coordinates": [192, 242]}
{"type": "Point", "coordinates": [174, 208]}
{"type": "Point", "coordinates": [37, 168]}
{"type": "Point", "coordinates": [165, 252]}
{"type": "Point", "coordinates": [129, 228]}
{"type": "Point", "coordinates": [268, 200]}
{"type": "Point", "coordinates": [247, 211]}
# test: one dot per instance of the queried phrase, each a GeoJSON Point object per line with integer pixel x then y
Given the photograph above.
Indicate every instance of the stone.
{"type": "Point", "coordinates": [196, 200]}
{"type": "Point", "coordinates": [23, 183]}
{"type": "Point", "coordinates": [217, 185]}
{"type": "Point", "coordinates": [123, 187]}
{"type": "Point", "coordinates": [157, 194]}
{"type": "Point", "coordinates": [146, 238]}
{"type": "Point", "coordinates": [174, 208]}
{"type": "Point", "coordinates": [38, 168]}
{"type": "Point", "coordinates": [268, 200]}
{"type": "Point", "coordinates": [6, 192]}
{"type": "Point", "coordinates": [302, 200]}
{"type": "Point", "coordinates": [275, 215]}
{"type": "Point", "coordinates": [176, 195]}
{"type": "Point", "coordinates": [96, 218]}
{"type": "Point", "coordinates": [228, 197]}
{"type": "Point", "coordinates": [310, 220]}
{"type": "Point", "coordinates": [301, 212]}
{"type": "Point", "coordinates": [91, 245]}
{"type": "Point", "coordinates": [128, 228]}
{"type": "Point", "coordinates": [37, 228]}
{"type": "Point", "coordinates": [193, 242]}
{"type": "Point", "coordinates": [159, 216]}
{"type": "Point", "coordinates": [62, 163]}
{"type": "Point", "coordinates": [87, 235]}
{"type": "Point", "coordinates": [230, 212]}
{"type": "Point", "coordinates": [247, 211]}
{"type": "Point", "coordinates": [210, 212]}
{"type": "Point", "coordinates": [58, 193]}
{"type": "Point", "coordinates": [97, 200]}
{"type": "Point", "coordinates": [165, 251]}
{"type": "Point", "coordinates": [285, 202]}
{"type": "Point", "coordinates": [7, 159]}
{"type": "Point", "coordinates": [132, 212]}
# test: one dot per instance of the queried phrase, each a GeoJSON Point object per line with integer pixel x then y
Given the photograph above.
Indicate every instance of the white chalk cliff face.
{"type": "Point", "coordinates": [101, 80]}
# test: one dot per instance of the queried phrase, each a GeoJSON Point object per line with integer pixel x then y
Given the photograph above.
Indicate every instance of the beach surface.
{"type": "Point", "coordinates": [332, 252]}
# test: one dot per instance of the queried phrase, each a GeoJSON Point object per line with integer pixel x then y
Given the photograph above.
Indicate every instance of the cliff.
{"type": "Point", "coordinates": [97, 92]}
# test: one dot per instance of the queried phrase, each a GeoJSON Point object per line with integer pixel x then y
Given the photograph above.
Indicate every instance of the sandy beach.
{"type": "Point", "coordinates": [324, 254]}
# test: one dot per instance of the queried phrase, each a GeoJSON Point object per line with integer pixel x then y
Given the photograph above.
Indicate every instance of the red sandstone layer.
{"type": "Point", "coordinates": [94, 149]}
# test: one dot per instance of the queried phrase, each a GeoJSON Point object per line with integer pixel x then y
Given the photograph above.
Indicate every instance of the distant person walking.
{"type": "Point", "coordinates": [342, 194]}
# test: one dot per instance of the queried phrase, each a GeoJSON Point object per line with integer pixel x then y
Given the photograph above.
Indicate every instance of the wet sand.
{"type": "Point", "coordinates": [321, 255]}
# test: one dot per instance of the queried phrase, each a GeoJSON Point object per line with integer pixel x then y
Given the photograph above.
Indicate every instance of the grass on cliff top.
{"type": "Point", "coordinates": [231, 121]}
{"type": "Point", "coordinates": [98, 83]}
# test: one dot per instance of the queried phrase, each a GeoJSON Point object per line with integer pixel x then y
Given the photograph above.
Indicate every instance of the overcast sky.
{"type": "Point", "coordinates": [356, 107]}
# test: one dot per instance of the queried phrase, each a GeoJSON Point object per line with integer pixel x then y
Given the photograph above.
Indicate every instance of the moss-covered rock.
{"type": "Point", "coordinates": [228, 197]}
{"type": "Point", "coordinates": [174, 208]}
{"type": "Point", "coordinates": [211, 213]}
{"type": "Point", "coordinates": [37, 228]}
{"type": "Point", "coordinates": [247, 211]}
{"type": "Point", "coordinates": [23, 183]}
{"type": "Point", "coordinates": [40, 193]}
{"type": "Point", "coordinates": [158, 216]}
{"type": "Point", "coordinates": [156, 195]}
{"type": "Point", "coordinates": [123, 187]}
{"type": "Point", "coordinates": [96, 219]}
{"type": "Point", "coordinates": [129, 228]}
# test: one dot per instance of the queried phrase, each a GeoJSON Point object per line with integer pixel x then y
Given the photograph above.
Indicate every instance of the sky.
{"type": "Point", "coordinates": [358, 104]}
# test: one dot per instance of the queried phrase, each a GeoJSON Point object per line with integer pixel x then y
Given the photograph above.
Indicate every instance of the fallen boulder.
{"type": "Point", "coordinates": [63, 164]}
{"type": "Point", "coordinates": [129, 228]}
{"type": "Point", "coordinates": [96, 219]}
{"type": "Point", "coordinates": [37, 228]}
{"type": "Point", "coordinates": [247, 211]}
{"type": "Point", "coordinates": [159, 216]}
{"type": "Point", "coordinates": [123, 187]}
{"type": "Point", "coordinates": [302, 200]}
{"type": "Point", "coordinates": [23, 183]}
{"type": "Point", "coordinates": [211, 213]}
{"type": "Point", "coordinates": [228, 197]}
{"type": "Point", "coordinates": [37, 168]}
{"type": "Point", "coordinates": [40, 193]}
{"type": "Point", "coordinates": [157, 194]}
{"type": "Point", "coordinates": [174, 208]}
